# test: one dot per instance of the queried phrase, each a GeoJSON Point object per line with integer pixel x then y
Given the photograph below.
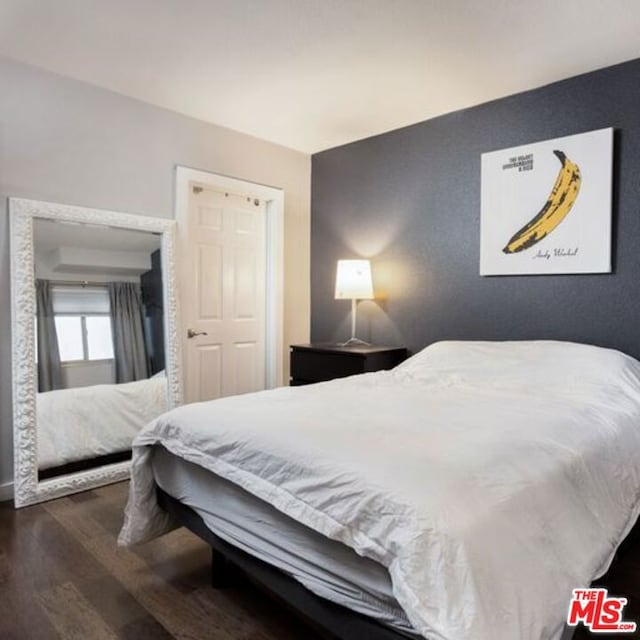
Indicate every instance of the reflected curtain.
{"type": "Point", "coordinates": [49, 368]}
{"type": "Point", "coordinates": [128, 333]}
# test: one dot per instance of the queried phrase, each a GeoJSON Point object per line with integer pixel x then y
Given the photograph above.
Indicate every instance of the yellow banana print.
{"type": "Point", "coordinates": [555, 209]}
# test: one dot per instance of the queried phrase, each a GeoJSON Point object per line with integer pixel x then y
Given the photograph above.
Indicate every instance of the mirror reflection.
{"type": "Point", "coordinates": [100, 346]}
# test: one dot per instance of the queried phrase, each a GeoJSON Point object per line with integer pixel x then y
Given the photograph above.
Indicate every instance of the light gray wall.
{"type": "Point", "coordinates": [65, 141]}
{"type": "Point", "coordinates": [87, 373]}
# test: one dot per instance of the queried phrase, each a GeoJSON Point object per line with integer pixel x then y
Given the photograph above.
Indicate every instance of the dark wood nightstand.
{"type": "Point", "coordinates": [319, 362]}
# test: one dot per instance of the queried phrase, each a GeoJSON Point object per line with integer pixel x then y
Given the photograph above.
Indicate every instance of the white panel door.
{"type": "Point", "coordinates": [223, 276]}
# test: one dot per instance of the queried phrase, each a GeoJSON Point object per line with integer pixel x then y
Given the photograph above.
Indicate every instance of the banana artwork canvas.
{"type": "Point", "coordinates": [546, 207]}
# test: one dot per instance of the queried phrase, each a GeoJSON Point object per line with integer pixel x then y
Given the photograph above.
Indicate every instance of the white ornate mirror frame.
{"type": "Point", "coordinates": [27, 488]}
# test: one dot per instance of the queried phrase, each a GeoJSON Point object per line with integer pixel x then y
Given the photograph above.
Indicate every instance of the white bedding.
{"type": "Point", "coordinates": [490, 478]}
{"type": "Point", "coordinates": [326, 567]}
{"type": "Point", "coordinates": [86, 422]}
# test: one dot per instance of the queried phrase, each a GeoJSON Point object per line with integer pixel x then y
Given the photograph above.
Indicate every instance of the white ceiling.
{"type": "Point", "coordinates": [51, 234]}
{"type": "Point", "coordinates": [313, 74]}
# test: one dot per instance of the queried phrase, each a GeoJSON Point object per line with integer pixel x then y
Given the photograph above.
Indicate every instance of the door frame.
{"type": "Point", "coordinates": [274, 238]}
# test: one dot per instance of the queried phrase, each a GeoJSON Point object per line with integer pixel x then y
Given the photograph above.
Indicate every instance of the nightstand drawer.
{"type": "Point", "coordinates": [314, 366]}
{"type": "Point", "coordinates": [320, 362]}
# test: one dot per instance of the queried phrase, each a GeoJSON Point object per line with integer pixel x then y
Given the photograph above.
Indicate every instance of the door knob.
{"type": "Point", "coordinates": [191, 333]}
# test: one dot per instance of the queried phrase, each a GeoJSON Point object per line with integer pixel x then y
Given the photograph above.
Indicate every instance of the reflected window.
{"type": "Point", "coordinates": [69, 331]}
{"type": "Point", "coordinates": [83, 323]}
{"type": "Point", "coordinates": [99, 338]}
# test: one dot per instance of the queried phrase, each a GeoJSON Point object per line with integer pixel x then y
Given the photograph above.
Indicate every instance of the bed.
{"type": "Point", "coordinates": [86, 423]}
{"type": "Point", "coordinates": [468, 490]}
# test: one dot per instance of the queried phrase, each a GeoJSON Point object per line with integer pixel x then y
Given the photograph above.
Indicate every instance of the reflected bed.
{"type": "Point", "coordinates": [86, 423]}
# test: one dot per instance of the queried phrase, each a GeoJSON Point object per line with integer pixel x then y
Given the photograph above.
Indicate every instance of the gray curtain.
{"type": "Point", "coordinates": [128, 333]}
{"type": "Point", "coordinates": [49, 369]}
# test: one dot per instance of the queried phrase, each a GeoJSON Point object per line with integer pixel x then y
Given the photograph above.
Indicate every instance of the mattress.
{"type": "Point", "coordinates": [326, 567]}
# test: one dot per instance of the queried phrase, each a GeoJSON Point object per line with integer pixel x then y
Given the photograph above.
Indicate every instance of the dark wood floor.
{"type": "Point", "coordinates": [622, 580]}
{"type": "Point", "coordinates": [62, 576]}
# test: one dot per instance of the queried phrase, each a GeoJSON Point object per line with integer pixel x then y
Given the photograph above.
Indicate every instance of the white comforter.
{"type": "Point", "coordinates": [491, 479]}
{"type": "Point", "coordinates": [85, 422]}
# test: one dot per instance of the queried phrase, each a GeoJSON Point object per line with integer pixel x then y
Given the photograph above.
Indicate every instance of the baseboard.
{"type": "Point", "coordinates": [6, 491]}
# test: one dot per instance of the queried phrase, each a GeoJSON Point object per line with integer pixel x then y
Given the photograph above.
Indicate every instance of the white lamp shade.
{"type": "Point", "coordinates": [353, 280]}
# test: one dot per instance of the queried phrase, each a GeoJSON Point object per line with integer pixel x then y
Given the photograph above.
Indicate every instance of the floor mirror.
{"type": "Point", "coordinates": [94, 344]}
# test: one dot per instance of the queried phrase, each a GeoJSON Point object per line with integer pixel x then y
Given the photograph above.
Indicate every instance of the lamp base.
{"type": "Point", "coordinates": [354, 342]}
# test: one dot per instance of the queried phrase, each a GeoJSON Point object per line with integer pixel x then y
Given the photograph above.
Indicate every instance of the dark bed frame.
{"type": "Point", "coordinates": [84, 465]}
{"type": "Point", "coordinates": [230, 565]}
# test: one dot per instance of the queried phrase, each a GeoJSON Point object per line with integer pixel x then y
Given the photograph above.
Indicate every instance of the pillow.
{"type": "Point", "coordinates": [530, 362]}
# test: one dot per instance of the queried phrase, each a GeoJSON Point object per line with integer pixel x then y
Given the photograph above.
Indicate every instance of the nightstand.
{"type": "Point", "coordinates": [319, 362]}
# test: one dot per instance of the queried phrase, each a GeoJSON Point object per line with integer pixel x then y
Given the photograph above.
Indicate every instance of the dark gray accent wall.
{"type": "Point", "coordinates": [410, 200]}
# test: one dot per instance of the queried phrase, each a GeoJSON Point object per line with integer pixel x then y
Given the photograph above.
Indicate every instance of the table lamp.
{"type": "Point", "coordinates": [353, 282]}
